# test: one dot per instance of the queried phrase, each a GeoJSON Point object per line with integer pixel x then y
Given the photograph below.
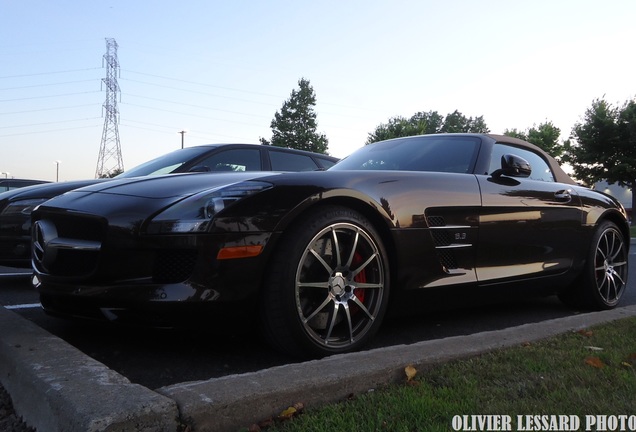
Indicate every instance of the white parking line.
{"type": "Point", "coordinates": [23, 306]}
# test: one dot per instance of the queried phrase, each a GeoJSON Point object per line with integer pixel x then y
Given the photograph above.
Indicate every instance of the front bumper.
{"type": "Point", "coordinates": [164, 306]}
{"type": "Point", "coordinates": [15, 251]}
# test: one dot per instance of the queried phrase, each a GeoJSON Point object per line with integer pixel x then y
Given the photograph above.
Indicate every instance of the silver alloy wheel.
{"type": "Point", "coordinates": [339, 285]}
{"type": "Point", "coordinates": [610, 266]}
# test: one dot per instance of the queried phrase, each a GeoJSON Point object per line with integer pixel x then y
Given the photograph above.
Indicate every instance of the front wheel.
{"type": "Point", "coordinates": [604, 278]}
{"type": "Point", "coordinates": [328, 286]}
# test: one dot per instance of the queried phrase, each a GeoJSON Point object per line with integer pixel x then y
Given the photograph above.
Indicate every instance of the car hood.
{"type": "Point", "coordinates": [168, 186]}
{"type": "Point", "coordinates": [46, 190]}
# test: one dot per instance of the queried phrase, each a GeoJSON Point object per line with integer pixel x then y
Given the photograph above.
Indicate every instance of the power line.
{"type": "Point", "coordinates": [46, 85]}
{"type": "Point", "coordinates": [203, 84]}
{"type": "Point", "coordinates": [194, 106]}
{"type": "Point", "coordinates": [188, 114]}
{"type": "Point", "coordinates": [48, 96]}
{"type": "Point", "coordinates": [172, 128]}
{"type": "Point", "coordinates": [47, 73]}
{"type": "Point", "coordinates": [46, 123]}
{"type": "Point", "coordinates": [46, 109]}
{"type": "Point", "coordinates": [200, 93]}
{"type": "Point", "coordinates": [48, 131]}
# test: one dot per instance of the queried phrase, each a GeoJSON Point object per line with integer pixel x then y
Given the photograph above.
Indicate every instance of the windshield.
{"type": "Point", "coordinates": [441, 153]}
{"type": "Point", "coordinates": [166, 164]}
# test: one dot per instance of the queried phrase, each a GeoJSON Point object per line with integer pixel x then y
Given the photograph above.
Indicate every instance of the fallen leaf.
{"type": "Point", "coordinates": [410, 372]}
{"type": "Point", "coordinates": [586, 333]}
{"type": "Point", "coordinates": [288, 413]}
{"type": "Point", "coordinates": [254, 428]}
{"type": "Point", "coordinates": [593, 348]}
{"type": "Point", "coordinates": [595, 362]}
{"type": "Point", "coordinates": [629, 365]}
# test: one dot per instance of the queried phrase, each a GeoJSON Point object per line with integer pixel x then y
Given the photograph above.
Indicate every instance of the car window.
{"type": "Point", "coordinates": [283, 161]}
{"type": "Point", "coordinates": [431, 153]}
{"type": "Point", "coordinates": [166, 164]}
{"type": "Point", "coordinates": [233, 160]}
{"type": "Point", "coordinates": [540, 168]}
{"type": "Point", "coordinates": [326, 163]}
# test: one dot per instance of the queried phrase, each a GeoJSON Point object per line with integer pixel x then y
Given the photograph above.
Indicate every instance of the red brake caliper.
{"type": "Point", "coordinates": [360, 277]}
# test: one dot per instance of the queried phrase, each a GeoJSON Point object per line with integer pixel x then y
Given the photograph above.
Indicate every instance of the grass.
{"type": "Point", "coordinates": [590, 372]}
{"type": "Point", "coordinates": [632, 230]}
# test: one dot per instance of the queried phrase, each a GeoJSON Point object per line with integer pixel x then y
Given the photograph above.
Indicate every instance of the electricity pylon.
{"type": "Point", "coordinates": [110, 160]}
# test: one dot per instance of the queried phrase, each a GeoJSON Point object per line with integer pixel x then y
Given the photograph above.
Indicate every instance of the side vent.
{"type": "Point", "coordinates": [447, 239]}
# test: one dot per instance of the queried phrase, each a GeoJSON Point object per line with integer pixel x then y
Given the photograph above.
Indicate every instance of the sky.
{"type": "Point", "coordinates": [221, 69]}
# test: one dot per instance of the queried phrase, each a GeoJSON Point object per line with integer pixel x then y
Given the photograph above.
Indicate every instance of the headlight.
{"type": "Point", "coordinates": [194, 213]}
{"type": "Point", "coordinates": [22, 207]}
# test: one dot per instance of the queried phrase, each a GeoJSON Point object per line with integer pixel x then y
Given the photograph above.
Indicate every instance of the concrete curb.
{"type": "Point", "coordinates": [231, 402]}
{"type": "Point", "coordinates": [55, 387]}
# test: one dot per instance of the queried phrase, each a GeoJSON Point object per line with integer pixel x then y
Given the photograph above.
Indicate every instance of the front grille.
{"type": "Point", "coordinates": [173, 265]}
{"type": "Point", "coordinates": [68, 245]}
{"type": "Point", "coordinates": [79, 227]}
{"type": "Point", "coordinates": [74, 263]}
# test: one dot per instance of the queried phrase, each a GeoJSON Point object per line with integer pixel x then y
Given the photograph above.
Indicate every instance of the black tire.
{"type": "Point", "coordinates": [328, 285]}
{"type": "Point", "coordinates": [604, 277]}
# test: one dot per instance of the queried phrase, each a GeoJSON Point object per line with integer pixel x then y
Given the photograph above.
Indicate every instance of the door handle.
{"type": "Point", "coordinates": [563, 195]}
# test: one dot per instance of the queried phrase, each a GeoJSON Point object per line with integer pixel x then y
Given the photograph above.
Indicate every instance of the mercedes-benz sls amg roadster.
{"type": "Point", "coordinates": [316, 256]}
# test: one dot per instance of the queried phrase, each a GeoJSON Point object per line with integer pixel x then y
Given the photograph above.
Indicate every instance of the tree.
{"type": "Point", "coordinates": [605, 145]}
{"type": "Point", "coordinates": [111, 174]}
{"type": "Point", "coordinates": [427, 123]}
{"type": "Point", "coordinates": [295, 125]}
{"type": "Point", "coordinates": [545, 135]}
{"type": "Point", "coordinates": [456, 122]}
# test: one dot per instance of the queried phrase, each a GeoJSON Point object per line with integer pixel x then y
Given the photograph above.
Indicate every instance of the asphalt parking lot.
{"type": "Point", "coordinates": [83, 394]}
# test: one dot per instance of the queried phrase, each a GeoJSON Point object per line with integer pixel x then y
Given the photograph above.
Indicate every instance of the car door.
{"type": "Point", "coordinates": [528, 227]}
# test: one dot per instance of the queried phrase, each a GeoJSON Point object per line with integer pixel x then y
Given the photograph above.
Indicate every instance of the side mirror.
{"type": "Point", "coordinates": [513, 166]}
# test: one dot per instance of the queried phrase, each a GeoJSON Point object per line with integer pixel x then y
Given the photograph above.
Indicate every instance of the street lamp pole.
{"type": "Point", "coordinates": [183, 132]}
{"type": "Point", "coordinates": [57, 170]}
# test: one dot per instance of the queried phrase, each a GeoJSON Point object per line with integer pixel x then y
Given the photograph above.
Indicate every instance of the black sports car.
{"type": "Point", "coordinates": [316, 255]}
{"type": "Point", "coordinates": [16, 205]}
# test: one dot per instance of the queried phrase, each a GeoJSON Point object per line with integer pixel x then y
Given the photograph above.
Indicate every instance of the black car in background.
{"type": "Point", "coordinates": [8, 184]}
{"type": "Point", "coordinates": [16, 205]}
{"type": "Point", "coordinates": [315, 256]}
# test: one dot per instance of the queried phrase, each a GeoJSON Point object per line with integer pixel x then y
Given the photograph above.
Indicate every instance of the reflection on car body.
{"type": "Point", "coordinates": [316, 255]}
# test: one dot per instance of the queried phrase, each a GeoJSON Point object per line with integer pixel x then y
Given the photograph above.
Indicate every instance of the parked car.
{"type": "Point", "coordinates": [7, 184]}
{"type": "Point", "coordinates": [16, 206]}
{"type": "Point", "coordinates": [316, 255]}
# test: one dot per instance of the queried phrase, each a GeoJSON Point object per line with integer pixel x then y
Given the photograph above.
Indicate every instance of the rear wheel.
{"type": "Point", "coordinates": [328, 287]}
{"type": "Point", "coordinates": [604, 278]}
